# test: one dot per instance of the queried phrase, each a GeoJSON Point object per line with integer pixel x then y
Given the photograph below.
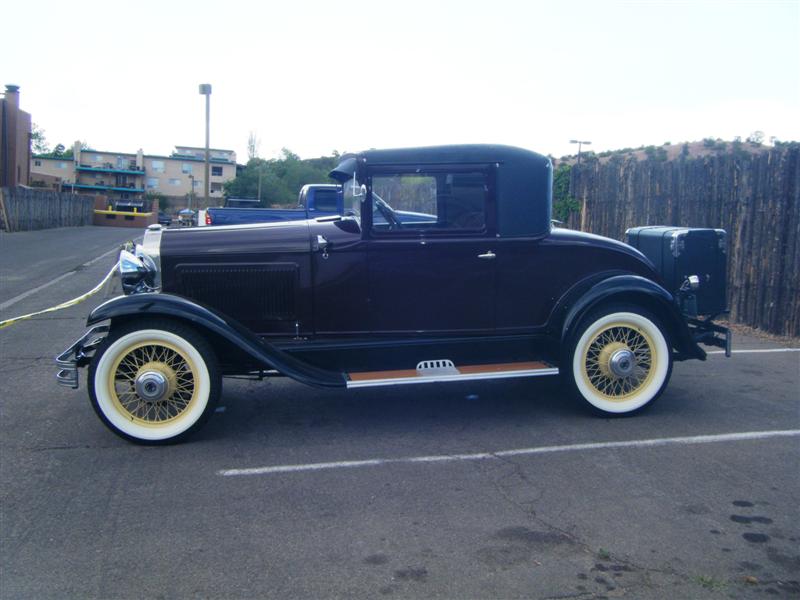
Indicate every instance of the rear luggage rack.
{"type": "Point", "coordinates": [704, 331]}
{"type": "Point", "coordinates": [443, 370]}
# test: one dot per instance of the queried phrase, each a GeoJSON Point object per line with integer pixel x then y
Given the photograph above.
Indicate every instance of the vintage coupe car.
{"type": "Point", "coordinates": [482, 287]}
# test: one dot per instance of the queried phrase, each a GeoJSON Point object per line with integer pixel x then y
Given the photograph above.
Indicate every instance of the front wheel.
{"type": "Point", "coordinates": [154, 382]}
{"type": "Point", "coordinates": [620, 360]}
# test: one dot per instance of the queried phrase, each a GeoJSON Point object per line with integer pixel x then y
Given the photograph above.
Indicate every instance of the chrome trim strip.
{"type": "Point", "coordinates": [151, 245]}
{"type": "Point", "coordinates": [448, 378]}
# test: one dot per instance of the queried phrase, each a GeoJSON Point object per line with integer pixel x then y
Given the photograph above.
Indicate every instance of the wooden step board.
{"type": "Point", "coordinates": [429, 374]}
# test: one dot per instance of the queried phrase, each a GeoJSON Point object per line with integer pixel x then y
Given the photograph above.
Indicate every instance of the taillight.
{"type": "Point", "coordinates": [208, 218]}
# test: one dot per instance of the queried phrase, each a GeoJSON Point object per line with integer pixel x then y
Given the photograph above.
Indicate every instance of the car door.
{"type": "Point", "coordinates": [430, 241]}
{"type": "Point", "coordinates": [339, 271]}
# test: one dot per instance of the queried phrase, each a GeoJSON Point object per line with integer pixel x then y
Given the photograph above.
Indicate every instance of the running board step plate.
{"type": "Point", "coordinates": [430, 371]}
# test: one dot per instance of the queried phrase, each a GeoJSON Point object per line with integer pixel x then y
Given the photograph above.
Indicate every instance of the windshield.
{"type": "Point", "coordinates": [353, 194]}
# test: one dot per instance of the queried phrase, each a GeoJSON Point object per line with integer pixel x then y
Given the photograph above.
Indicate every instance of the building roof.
{"type": "Point", "coordinates": [203, 148]}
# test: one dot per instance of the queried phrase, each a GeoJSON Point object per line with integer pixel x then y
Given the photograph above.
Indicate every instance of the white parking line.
{"type": "Point", "coordinates": [375, 462]}
{"type": "Point", "coordinates": [756, 351]}
{"type": "Point", "coordinates": [38, 289]}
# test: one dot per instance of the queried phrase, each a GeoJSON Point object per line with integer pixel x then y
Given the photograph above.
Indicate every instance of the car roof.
{"type": "Point", "coordinates": [458, 153]}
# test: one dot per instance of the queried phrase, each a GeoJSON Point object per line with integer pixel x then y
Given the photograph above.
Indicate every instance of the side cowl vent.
{"type": "Point", "coordinates": [248, 292]}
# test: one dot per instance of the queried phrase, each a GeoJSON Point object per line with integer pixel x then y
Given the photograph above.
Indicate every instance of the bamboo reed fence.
{"type": "Point", "coordinates": [754, 197]}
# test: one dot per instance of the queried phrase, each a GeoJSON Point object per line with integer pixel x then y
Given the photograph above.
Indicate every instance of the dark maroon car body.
{"type": "Point", "coordinates": [477, 274]}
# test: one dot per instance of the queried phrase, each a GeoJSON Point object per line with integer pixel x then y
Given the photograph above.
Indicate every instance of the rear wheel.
{"type": "Point", "coordinates": [620, 360]}
{"type": "Point", "coordinates": [154, 382]}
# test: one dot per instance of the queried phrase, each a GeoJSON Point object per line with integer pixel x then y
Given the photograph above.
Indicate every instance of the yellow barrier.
{"type": "Point", "coordinates": [124, 213]}
{"type": "Point", "coordinates": [63, 305]}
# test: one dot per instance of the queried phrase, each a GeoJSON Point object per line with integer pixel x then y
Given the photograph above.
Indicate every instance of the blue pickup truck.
{"type": "Point", "coordinates": [314, 200]}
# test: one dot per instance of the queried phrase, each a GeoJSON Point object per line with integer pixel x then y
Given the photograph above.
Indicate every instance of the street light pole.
{"type": "Point", "coordinates": [580, 144]}
{"type": "Point", "coordinates": [205, 90]}
{"type": "Point", "coordinates": [578, 172]}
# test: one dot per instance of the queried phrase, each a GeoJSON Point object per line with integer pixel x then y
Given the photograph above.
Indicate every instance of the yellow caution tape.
{"type": "Point", "coordinates": [63, 305]}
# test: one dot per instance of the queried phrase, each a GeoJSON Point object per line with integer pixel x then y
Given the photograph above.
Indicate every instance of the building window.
{"type": "Point", "coordinates": [152, 183]}
{"type": "Point", "coordinates": [97, 158]}
{"type": "Point", "coordinates": [216, 172]}
{"type": "Point", "coordinates": [186, 168]}
{"type": "Point", "coordinates": [157, 166]}
{"type": "Point", "coordinates": [61, 165]}
{"type": "Point", "coordinates": [216, 187]}
{"type": "Point", "coordinates": [174, 181]}
{"type": "Point", "coordinates": [37, 163]}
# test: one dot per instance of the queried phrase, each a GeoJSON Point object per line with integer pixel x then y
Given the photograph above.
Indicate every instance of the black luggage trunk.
{"type": "Point", "coordinates": [680, 252]}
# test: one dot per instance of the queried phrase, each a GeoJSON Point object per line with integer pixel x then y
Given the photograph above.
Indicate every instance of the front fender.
{"type": "Point", "coordinates": [209, 320]}
{"type": "Point", "coordinates": [637, 290]}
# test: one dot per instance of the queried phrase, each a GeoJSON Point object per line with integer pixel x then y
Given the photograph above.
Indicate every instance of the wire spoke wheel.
{"type": "Point", "coordinates": [154, 383]}
{"type": "Point", "coordinates": [620, 361]}
{"type": "Point", "coordinates": [622, 343]}
{"type": "Point", "coordinates": [169, 375]}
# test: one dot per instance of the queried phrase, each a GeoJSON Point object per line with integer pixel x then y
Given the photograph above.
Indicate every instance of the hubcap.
{"type": "Point", "coordinates": [622, 363]}
{"type": "Point", "coordinates": [618, 362]}
{"type": "Point", "coordinates": [151, 386]}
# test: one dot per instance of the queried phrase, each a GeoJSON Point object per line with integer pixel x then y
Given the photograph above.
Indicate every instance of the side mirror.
{"type": "Point", "coordinates": [357, 190]}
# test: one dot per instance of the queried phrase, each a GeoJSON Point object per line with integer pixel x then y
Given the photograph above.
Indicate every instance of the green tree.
{"type": "Point", "coordinates": [253, 144]}
{"type": "Point", "coordinates": [38, 141]}
{"type": "Point", "coordinates": [756, 138]}
{"type": "Point", "coordinates": [563, 203]}
{"type": "Point", "coordinates": [280, 179]}
{"type": "Point", "coordinates": [60, 151]}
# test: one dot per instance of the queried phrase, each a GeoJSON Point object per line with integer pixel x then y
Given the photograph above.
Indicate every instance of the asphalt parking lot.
{"type": "Point", "coordinates": [473, 490]}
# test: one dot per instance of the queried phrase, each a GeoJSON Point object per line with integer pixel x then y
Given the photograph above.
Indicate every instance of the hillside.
{"type": "Point", "coordinates": [669, 151]}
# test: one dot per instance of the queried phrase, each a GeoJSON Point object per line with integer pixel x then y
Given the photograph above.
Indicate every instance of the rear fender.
{"type": "Point", "coordinates": [209, 321]}
{"type": "Point", "coordinates": [634, 289]}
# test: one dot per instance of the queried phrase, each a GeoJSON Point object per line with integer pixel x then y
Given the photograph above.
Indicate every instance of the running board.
{"type": "Point", "coordinates": [432, 371]}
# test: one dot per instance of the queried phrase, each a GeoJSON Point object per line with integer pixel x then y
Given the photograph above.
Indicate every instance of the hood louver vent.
{"type": "Point", "coordinates": [247, 292]}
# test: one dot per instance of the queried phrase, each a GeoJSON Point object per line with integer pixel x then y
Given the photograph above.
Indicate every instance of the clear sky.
{"type": "Point", "coordinates": [319, 76]}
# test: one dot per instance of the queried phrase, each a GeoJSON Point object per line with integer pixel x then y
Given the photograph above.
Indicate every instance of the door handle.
{"type": "Point", "coordinates": [488, 256]}
{"type": "Point", "coordinates": [322, 243]}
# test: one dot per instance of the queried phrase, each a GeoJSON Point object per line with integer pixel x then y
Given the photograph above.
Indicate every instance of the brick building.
{"type": "Point", "coordinates": [15, 140]}
{"type": "Point", "coordinates": [126, 177]}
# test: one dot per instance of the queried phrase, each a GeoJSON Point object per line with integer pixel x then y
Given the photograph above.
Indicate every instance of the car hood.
{"type": "Point", "coordinates": [249, 240]}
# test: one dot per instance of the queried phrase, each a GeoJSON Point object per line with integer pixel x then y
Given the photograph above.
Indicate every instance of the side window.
{"type": "Point", "coordinates": [432, 201]}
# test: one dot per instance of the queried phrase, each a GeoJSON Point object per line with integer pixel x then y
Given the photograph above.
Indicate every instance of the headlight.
{"type": "Point", "coordinates": [137, 272]}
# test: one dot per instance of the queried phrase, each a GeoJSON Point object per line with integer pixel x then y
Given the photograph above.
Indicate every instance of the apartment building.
{"type": "Point", "coordinates": [125, 177]}
{"type": "Point", "coordinates": [15, 140]}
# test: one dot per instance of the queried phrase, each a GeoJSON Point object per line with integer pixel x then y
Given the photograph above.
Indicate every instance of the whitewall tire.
{"type": "Point", "coordinates": [620, 361]}
{"type": "Point", "coordinates": [154, 382]}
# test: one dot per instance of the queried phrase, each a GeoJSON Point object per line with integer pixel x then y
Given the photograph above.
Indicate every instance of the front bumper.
{"type": "Point", "coordinates": [79, 354]}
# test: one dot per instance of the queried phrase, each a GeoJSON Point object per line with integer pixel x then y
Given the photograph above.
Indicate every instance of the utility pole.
{"type": "Point", "coordinates": [578, 173]}
{"type": "Point", "coordinates": [191, 193]}
{"type": "Point", "coordinates": [205, 90]}
{"type": "Point", "coordinates": [580, 143]}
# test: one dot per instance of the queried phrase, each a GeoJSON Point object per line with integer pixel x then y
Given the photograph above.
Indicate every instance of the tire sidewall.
{"type": "Point", "coordinates": [663, 364]}
{"type": "Point", "coordinates": [101, 378]}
